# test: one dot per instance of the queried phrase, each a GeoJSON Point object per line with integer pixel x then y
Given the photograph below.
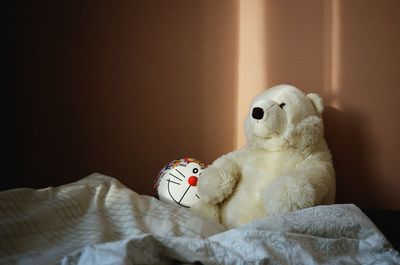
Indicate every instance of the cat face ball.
{"type": "Point", "coordinates": [177, 182]}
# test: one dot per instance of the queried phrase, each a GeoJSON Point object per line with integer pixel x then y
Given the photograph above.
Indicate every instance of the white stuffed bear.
{"type": "Point", "coordinates": [286, 164]}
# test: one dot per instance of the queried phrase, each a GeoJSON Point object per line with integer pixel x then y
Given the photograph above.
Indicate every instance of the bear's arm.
{"type": "Point", "coordinates": [218, 180]}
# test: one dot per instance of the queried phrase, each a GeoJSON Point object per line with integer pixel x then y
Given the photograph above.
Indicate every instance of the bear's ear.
{"type": "Point", "coordinates": [317, 101]}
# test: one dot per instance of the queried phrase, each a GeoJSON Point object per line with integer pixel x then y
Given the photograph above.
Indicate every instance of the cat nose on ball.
{"type": "Point", "coordinates": [192, 181]}
{"type": "Point", "coordinates": [258, 113]}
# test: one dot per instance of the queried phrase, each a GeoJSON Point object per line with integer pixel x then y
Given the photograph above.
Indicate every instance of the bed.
{"type": "Point", "coordinates": [98, 220]}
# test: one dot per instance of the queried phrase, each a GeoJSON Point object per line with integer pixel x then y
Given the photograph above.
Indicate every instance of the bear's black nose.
{"type": "Point", "coordinates": [258, 113]}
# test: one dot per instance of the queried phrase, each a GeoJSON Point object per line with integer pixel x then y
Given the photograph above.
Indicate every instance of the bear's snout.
{"type": "Point", "coordinates": [266, 119]}
{"type": "Point", "coordinates": [258, 113]}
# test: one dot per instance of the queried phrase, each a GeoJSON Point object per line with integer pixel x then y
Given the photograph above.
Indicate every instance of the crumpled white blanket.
{"type": "Point", "coordinates": [97, 220]}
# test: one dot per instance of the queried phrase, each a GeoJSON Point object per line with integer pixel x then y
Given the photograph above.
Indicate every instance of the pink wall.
{"type": "Point", "coordinates": [123, 87]}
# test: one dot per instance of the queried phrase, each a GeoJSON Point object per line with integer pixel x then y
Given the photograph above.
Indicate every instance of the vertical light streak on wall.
{"type": "Point", "coordinates": [333, 52]}
{"type": "Point", "coordinates": [252, 59]}
{"type": "Point", "coordinates": [336, 53]}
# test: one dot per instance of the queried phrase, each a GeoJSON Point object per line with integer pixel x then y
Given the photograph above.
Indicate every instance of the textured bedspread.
{"type": "Point", "coordinates": [99, 221]}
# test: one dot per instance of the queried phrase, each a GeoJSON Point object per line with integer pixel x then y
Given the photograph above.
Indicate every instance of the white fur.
{"type": "Point", "coordinates": [285, 166]}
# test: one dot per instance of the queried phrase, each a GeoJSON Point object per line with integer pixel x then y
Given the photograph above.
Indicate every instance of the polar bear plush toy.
{"type": "Point", "coordinates": [286, 164]}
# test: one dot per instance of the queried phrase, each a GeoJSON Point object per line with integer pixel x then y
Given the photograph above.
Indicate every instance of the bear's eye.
{"type": "Point", "coordinates": [282, 105]}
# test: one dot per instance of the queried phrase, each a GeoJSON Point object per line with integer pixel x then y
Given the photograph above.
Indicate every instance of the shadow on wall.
{"type": "Point", "coordinates": [120, 88]}
{"type": "Point", "coordinates": [352, 150]}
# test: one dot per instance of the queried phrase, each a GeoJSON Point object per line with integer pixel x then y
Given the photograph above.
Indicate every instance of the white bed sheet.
{"type": "Point", "coordinates": [97, 220]}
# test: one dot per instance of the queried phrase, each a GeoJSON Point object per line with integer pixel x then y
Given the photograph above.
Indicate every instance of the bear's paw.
{"type": "Point", "coordinates": [288, 193]}
{"type": "Point", "coordinates": [215, 184]}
